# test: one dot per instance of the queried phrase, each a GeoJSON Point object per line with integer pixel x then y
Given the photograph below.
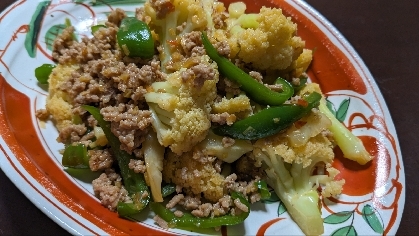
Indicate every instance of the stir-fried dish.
{"type": "Point", "coordinates": [196, 111]}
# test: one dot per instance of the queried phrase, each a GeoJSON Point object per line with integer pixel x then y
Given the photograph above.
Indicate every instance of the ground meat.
{"type": "Point", "coordinates": [42, 114]}
{"type": "Point", "coordinates": [190, 41]}
{"type": "Point", "coordinates": [223, 48]}
{"type": "Point", "coordinates": [255, 197]}
{"type": "Point", "coordinates": [256, 75]}
{"type": "Point", "coordinates": [217, 165]}
{"type": "Point", "coordinates": [228, 142]}
{"type": "Point", "coordinates": [190, 203]}
{"type": "Point", "coordinates": [109, 189]}
{"type": "Point", "coordinates": [128, 116]}
{"type": "Point", "coordinates": [219, 20]}
{"type": "Point", "coordinates": [199, 74]}
{"type": "Point", "coordinates": [218, 210]}
{"type": "Point", "coordinates": [246, 188]}
{"type": "Point", "coordinates": [162, 7]}
{"type": "Point", "coordinates": [203, 210]}
{"type": "Point", "coordinates": [129, 124]}
{"type": "Point", "coordinates": [178, 213]}
{"type": "Point", "coordinates": [223, 118]}
{"type": "Point", "coordinates": [138, 166]}
{"type": "Point", "coordinates": [116, 16]}
{"type": "Point", "coordinates": [72, 133]}
{"type": "Point", "coordinates": [63, 41]}
{"type": "Point", "coordinates": [174, 201]}
{"type": "Point", "coordinates": [100, 159]}
{"type": "Point", "coordinates": [201, 156]}
{"type": "Point", "coordinates": [162, 223]}
{"type": "Point", "coordinates": [240, 205]}
{"type": "Point", "coordinates": [91, 121]}
{"type": "Point", "coordinates": [275, 87]}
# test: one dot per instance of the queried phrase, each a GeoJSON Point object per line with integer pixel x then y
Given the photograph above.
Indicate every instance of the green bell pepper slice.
{"type": "Point", "coordinates": [269, 121]}
{"type": "Point", "coordinates": [191, 222]}
{"type": "Point", "coordinates": [135, 39]}
{"type": "Point", "coordinates": [134, 182]}
{"type": "Point", "coordinates": [255, 90]}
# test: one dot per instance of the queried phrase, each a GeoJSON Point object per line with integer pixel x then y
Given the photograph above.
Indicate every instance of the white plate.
{"type": "Point", "coordinates": [373, 198]}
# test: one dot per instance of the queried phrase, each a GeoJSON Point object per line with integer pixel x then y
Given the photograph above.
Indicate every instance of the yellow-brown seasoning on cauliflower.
{"type": "Point", "coordinates": [267, 41]}
{"type": "Point", "coordinates": [194, 175]}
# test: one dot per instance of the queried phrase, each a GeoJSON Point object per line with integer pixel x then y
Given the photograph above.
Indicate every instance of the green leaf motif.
{"type": "Point", "coordinates": [338, 217]}
{"type": "Point", "coordinates": [52, 34]}
{"type": "Point", "coordinates": [34, 28]}
{"type": "Point", "coordinates": [281, 208]}
{"type": "Point", "coordinates": [343, 110]}
{"type": "Point", "coordinates": [331, 107]}
{"type": "Point", "coordinates": [373, 218]}
{"type": "Point", "coordinates": [345, 231]}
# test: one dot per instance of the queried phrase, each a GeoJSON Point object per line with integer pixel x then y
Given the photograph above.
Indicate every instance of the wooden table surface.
{"type": "Point", "coordinates": [384, 33]}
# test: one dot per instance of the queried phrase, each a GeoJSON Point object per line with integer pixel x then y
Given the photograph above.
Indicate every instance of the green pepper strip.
{"type": "Point", "coordinates": [191, 222]}
{"type": "Point", "coordinates": [133, 182]}
{"type": "Point", "coordinates": [255, 90]}
{"type": "Point", "coordinates": [263, 189]}
{"type": "Point", "coordinates": [75, 156]}
{"type": "Point", "coordinates": [95, 28]}
{"type": "Point", "coordinates": [168, 189]}
{"type": "Point", "coordinates": [135, 39]}
{"type": "Point", "coordinates": [42, 73]}
{"type": "Point", "coordinates": [269, 121]}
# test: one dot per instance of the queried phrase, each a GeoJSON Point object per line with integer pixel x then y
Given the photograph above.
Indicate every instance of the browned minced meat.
{"type": "Point", "coordinates": [219, 20]}
{"type": "Point", "coordinates": [128, 123]}
{"type": "Point", "coordinates": [228, 142]}
{"type": "Point", "coordinates": [275, 87]}
{"type": "Point", "coordinates": [201, 156]}
{"type": "Point", "coordinates": [199, 74]}
{"type": "Point", "coordinates": [100, 159]}
{"type": "Point", "coordinates": [256, 75]}
{"type": "Point", "coordinates": [109, 189]}
{"type": "Point", "coordinates": [223, 118]}
{"type": "Point", "coordinates": [129, 117]}
{"type": "Point", "coordinates": [162, 223]}
{"type": "Point", "coordinates": [42, 114]}
{"type": "Point", "coordinates": [190, 41]}
{"type": "Point", "coordinates": [203, 210]}
{"type": "Point", "coordinates": [178, 213]}
{"type": "Point", "coordinates": [246, 188]}
{"type": "Point", "coordinates": [190, 202]}
{"type": "Point", "coordinates": [240, 205]}
{"type": "Point", "coordinates": [162, 7]}
{"type": "Point", "coordinates": [116, 16]}
{"type": "Point", "coordinates": [138, 166]}
{"type": "Point", "coordinates": [223, 48]}
{"type": "Point", "coordinates": [72, 133]}
{"type": "Point", "coordinates": [175, 200]}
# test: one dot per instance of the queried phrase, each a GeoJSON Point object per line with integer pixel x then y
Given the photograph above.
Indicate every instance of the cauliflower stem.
{"type": "Point", "coordinates": [294, 186]}
{"type": "Point", "coordinates": [351, 146]}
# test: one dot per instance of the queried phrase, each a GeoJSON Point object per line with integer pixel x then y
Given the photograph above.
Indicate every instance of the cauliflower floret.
{"type": "Point", "coordinates": [193, 175]}
{"type": "Point", "coordinates": [266, 40]}
{"type": "Point", "coordinates": [233, 105]}
{"type": "Point", "coordinates": [296, 172]}
{"type": "Point", "coordinates": [182, 104]}
{"type": "Point", "coordinates": [171, 19]}
{"type": "Point", "coordinates": [318, 146]}
{"type": "Point", "coordinates": [58, 104]}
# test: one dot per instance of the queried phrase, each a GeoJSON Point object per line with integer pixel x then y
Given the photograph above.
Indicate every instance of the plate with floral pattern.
{"type": "Point", "coordinates": [373, 197]}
